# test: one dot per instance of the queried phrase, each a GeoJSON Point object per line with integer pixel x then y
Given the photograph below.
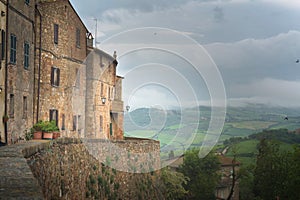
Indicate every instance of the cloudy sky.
{"type": "Point", "coordinates": [183, 52]}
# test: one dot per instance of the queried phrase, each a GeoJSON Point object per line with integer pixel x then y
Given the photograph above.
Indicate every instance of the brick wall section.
{"type": "Point", "coordinates": [84, 79]}
{"type": "Point", "coordinates": [20, 80]}
{"type": "Point", "coordinates": [66, 56]}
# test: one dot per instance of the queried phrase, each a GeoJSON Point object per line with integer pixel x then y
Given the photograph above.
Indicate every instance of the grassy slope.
{"type": "Point", "coordinates": [241, 121]}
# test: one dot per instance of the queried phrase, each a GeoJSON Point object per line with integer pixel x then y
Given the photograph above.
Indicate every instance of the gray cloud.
{"type": "Point", "coordinates": [253, 42]}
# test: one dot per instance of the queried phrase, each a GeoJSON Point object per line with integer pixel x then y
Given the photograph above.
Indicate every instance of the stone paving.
{"type": "Point", "coordinates": [16, 178]}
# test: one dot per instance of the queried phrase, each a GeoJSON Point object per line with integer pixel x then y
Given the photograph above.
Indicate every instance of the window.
{"type": "Point", "coordinates": [11, 105]}
{"type": "Point", "coordinates": [101, 123]}
{"type": "Point", "coordinates": [55, 33]}
{"type": "Point", "coordinates": [55, 75]}
{"type": "Point", "coordinates": [74, 123]}
{"type": "Point", "coordinates": [13, 48]}
{"type": "Point", "coordinates": [77, 75]}
{"type": "Point", "coordinates": [24, 107]}
{"type": "Point", "coordinates": [102, 87]}
{"type": "Point", "coordinates": [79, 123]}
{"type": "Point", "coordinates": [63, 122]}
{"type": "Point", "coordinates": [54, 116]}
{"type": "Point", "coordinates": [26, 55]}
{"type": "Point", "coordinates": [2, 48]}
{"type": "Point", "coordinates": [27, 2]}
{"type": "Point", "coordinates": [77, 37]}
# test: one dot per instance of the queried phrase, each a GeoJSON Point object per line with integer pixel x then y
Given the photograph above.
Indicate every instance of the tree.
{"type": "Point", "coordinates": [277, 172]}
{"type": "Point", "coordinates": [202, 174]}
{"type": "Point", "coordinates": [172, 184]}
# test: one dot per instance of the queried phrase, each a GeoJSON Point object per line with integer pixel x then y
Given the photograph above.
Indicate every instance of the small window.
{"type": "Point", "coordinates": [63, 122]}
{"type": "Point", "coordinates": [26, 55]}
{"type": "Point", "coordinates": [77, 37]}
{"type": "Point", "coordinates": [55, 76]}
{"type": "Point", "coordinates": [79, 123]}
{"type": "Point", "coordinates": [13, 49]}
{"type": "Point", "coordinates": [54, 116]}
{"type": "Point", "coordinates": [27, 2]}
{"type": "Point", "coordinates": [11, 105]}
{"type": "Point", "coordinates": [77, 75]}
{"type": "Point", "coordinates": [102, 88]}
{"type": "Point", "coordinates": [74, 123]}
{"type": "Point", "coordinates": [55, 33]}
{"type": "Point", "coordinates": [101, 123]}
{"type": "Point", "coordinates": [24, 107]}
{"type": "Point", "coordinates": [2, 48]}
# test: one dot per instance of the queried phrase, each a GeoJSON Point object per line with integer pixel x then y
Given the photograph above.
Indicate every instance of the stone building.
{"type": "Point", "coordinates": [45, 56]}
{"type": "Point", "coordinates": [19, 67]}
{"type": "Point", "coordinates": [103, 98]}
{"type": "Point", "coordinates": [3, 9]}
{"type": "Point", "coordinates": [225, 185]}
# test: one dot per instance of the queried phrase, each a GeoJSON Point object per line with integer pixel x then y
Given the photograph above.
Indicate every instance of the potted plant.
{"type": "Point", "coordinates": [5, 118]}
{"type": "Point", "coordinates": [48, 129]}
{"type": "Point", "coordinates": [37, 130]}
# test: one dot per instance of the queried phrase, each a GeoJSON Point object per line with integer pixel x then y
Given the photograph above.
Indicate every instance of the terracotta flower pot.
{"type": "Point", "coordinates": [56, 135]}
{"type": "Point", "coordinates": [48, 136]}
{"type": "Point", "coordinates": [37, 135]}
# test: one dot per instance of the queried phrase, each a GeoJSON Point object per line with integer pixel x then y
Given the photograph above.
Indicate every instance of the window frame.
{"type": "Point", "coordinates": [51, 116]}
{"type": "Point", "coordinates": [11, 105]}
{"type": "Point", "coordinates": [25, 107]}
{"type": "Point", "coordinates": [13, 49]}
{"type": "Point", "coordinates": [56, 33]}
{"type": "Point", "coordinates": [55, 76]}
{"type": "Point", "coordinates": [78, 35]}
{"type": "Point", "coordinates": [26, 55]}
{"type": "Point", "coordinates": [3, 38]}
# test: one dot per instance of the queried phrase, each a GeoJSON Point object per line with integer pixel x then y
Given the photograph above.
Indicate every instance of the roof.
{"type": "Point", "coordinates": [56, 1]}
{"type": "Point", "coordinates": [226, 161]}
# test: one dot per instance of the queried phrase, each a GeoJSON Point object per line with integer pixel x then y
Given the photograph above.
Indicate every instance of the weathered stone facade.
{"type": "Point", "coordinates": [48, 75]}
{"type": "Point", "coordinates": [86, 76]}
{"type": "Point", "coordinates": [2, 68]}
{"type": "Point", "coordinates": [20, 68]}
{"type": "Point", "coordinates": [66, 56]}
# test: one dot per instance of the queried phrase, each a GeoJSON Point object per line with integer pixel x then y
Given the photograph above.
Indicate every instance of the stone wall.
{"type": "Point", "coordinates": [2, 75]}
{"type": "Point", "coordinates": [67, 56]}
{"type": "Point", "coordinates": [67, 170]}
{"type": "Point", "coordinates": [20, 80]}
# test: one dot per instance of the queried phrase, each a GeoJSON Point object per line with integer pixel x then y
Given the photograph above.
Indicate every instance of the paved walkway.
{"type": "Point", "coordinates": [16, 178]}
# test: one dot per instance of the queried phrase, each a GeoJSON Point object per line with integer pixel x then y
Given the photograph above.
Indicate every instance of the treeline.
{"type": "Point", "coordinates": [276, 174]}
{"type": "Point", "coordinates": [281, 135]}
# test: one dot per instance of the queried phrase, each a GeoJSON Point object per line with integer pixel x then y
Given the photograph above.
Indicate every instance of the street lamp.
{"type": "Point", "coordinates": [103, 99]}
{"type": "Point", "coordinates": [127, 108]}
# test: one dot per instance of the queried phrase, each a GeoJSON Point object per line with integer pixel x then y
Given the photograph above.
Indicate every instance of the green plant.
{"type": "Point", "coordinates": [28, 134]}
{"type": "Point", "coordinates": [38, 126]}
{"type": "Point", "coordinates": [49, 126]}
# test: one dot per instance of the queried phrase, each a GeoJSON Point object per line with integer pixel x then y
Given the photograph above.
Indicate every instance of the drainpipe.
{"type": "Point", "coordinates": [39, 66]}
{"type": "Point", "coordinates": [6, 73]}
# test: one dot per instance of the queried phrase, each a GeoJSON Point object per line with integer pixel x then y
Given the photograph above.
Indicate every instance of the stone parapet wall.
{"type": "Point", "coordinates": [67, 170]}
{"type": "Point", "coordinates": [129, 155]}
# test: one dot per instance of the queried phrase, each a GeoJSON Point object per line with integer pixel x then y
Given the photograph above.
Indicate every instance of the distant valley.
{"type": "Point", "coordinates": [182, 129]}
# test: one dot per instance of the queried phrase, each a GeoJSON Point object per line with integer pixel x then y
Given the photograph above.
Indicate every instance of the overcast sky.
{"type": "Point", "coordinates": [252, 44]}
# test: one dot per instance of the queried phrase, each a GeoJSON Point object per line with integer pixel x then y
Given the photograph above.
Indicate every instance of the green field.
{"type": "Point", "coordinates": [240, 122]}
